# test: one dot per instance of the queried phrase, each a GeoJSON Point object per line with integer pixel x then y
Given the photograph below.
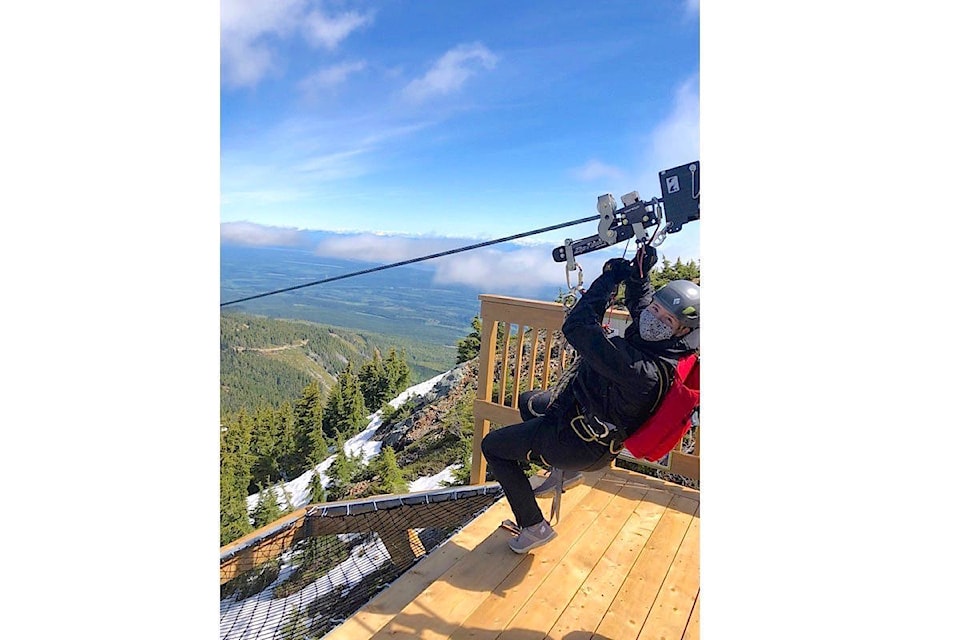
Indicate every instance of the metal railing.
{"type": "Point", "coordinates": [522, 348]}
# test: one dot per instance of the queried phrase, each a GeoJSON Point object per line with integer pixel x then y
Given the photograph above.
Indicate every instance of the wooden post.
{"type": "Point", "coordinates": [534, 344]}
{"type": "Point", "coordinates": [518, 365]}
{"type": "Point", "coordinates": [488, 352]}
{"type": "Point", "coordinates": [404, 545]}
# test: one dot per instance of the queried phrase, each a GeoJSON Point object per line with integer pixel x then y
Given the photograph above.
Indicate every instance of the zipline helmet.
{"type": "Point", "coordinates": [682, 299]}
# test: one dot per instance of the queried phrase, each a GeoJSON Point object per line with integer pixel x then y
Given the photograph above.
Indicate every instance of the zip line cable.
{"type": "Point", "coordinates": [412, 260]}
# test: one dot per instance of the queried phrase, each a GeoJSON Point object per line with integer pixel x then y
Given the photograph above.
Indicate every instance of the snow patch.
{"type": "Point", "coordinates": [427, 483]}
{"type": "Point", "coordinates": [298, 489]}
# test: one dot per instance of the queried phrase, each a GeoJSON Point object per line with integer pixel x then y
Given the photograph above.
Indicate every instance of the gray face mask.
{"type": "Point", "coordinates": [652, 328]}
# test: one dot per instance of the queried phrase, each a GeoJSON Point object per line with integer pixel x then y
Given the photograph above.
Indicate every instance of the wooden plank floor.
{"type": "Point", "coordinates": [626, 564]}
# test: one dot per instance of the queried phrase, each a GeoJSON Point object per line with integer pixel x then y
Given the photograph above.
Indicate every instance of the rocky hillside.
{"type": "Point", "coordinates": [435, 413]}
{"type": "Point", "coordinates": [433, 431]}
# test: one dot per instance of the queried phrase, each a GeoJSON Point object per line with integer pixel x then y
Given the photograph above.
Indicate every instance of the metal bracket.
{"type": "Point", "coordinates": [571, 258]}
{"type": "Point", "coordinates": [679, 204]}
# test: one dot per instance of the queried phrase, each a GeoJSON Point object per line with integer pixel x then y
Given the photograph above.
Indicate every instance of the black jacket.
{"type": "Point", "coordinates": [617, 380]}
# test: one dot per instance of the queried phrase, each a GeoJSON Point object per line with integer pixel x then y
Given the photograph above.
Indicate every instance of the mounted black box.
{"type": "Point", "coordinates": [680, 189]}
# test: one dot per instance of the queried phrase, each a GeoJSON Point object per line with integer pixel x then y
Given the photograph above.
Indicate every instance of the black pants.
{"type": "Point", "coordinates": [547, 440]}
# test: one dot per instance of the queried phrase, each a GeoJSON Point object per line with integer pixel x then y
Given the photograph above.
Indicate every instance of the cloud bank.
{"type": "Point", "coordinates": [372, 247]}
{"type": "Point", "coordinates": [507, 268]}
{"type": "Point", "coordinates": [256, 235]}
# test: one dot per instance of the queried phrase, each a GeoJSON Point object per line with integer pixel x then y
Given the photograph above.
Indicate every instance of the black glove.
{"type": "Point", "coordinates": [620, 268]}
{"type": "Point", "coordinates": [650, 258]}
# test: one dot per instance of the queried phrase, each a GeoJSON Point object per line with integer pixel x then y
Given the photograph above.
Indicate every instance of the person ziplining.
{"type": "Point", "coordinates": [637, 391]}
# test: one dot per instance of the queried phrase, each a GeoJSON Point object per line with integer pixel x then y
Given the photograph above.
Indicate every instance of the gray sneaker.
{"type": "Point", "coordinates": [532, 537]}
{"type": "Point", "coordinates": [570, 479]}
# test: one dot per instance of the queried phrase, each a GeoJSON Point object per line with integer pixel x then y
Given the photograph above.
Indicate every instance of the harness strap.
{"type": "Point", "coordinates": [664, 379]}
{"type": "Point", "coordinates": [557, 492]}
{"type": "Point", "coordinates": [590, 428]}
{"type": "Point", "coordinates": [583, 427]}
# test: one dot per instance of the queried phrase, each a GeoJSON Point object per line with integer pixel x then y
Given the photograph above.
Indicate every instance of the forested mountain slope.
{"type": "Point", "coordinates": [269, 361]}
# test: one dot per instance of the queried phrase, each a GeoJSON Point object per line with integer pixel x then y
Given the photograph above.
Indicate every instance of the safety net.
{"type": "Point", "coordinates": [308, 572]}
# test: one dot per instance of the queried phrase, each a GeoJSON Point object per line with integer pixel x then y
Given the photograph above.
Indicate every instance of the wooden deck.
{"type": "Point", "coordinates": [626, 564]}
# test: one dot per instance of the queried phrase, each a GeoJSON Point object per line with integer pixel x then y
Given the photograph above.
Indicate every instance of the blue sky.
{"type": "Point", "coordinates": [420, 126]}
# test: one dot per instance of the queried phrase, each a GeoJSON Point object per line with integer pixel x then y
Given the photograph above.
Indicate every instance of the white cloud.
{"type": "Point", "coordinates": [293, 159]}
{"type": "Point", "coordinates": [595, 170]}
{"type": "Point", "coordinates": [673, 141]}
{"type": "Point", "coordinates": [385, 133]}
{"type": "Point", "coordinates": [450, 72]}
{"type": "Point", "coordinates": [524, 270]}
{"type": "Point", "coordinates": [692, 7]}
{"type": "Point", "coordinates": [248, 233]}
{"type": "Point", "coordinates": [251, 19]}
{"type": "Point", "coordinates": [251, 31]}
{"type": "Point", "coordinates": [677, 138]}
{"type": "Point", "coordinates": [330, 30]}
{"type": "Point", "coordinates": [519, 271]}
{"type": "Point", "coordinates": [370, 247]}
{"type": "Point", "coordinates": [244, 27]}
{"type": "Point", "coordinates": [509, 268]}
{"type": "Point", "coordinates": [244, 64]}
{"type": "Point", "coordinates": [332, 166]}
{"type": "Point", "coordinates": [329, 77]}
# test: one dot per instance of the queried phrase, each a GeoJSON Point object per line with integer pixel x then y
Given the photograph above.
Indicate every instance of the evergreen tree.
{"type": "Point", "coordinates": [286, 439]}
{"type": "Point", "coordinates": [267, 509]}
{"type": "Point", "coordinates": [461, 475]}
{"type": "Point", "coordinates": [344, 412]}
{"type": "Point", "coordinates": [264, 442]}
{"type": "Point", "coordinates": [667, 271]}
{"type": "Point", "coordinates": [307, 421]}
{"type": "Point", "coordinates": [354, 411]}
{"type": "Point", "coordinates": [689, 271]}
{"type": "Point", "coordinates": [469, 347]}
{"type": "Point", "coordinates": [374, 383]}
{"type": "Point", "coordinates": [332, 410]}
{"type": "Point", "coordinates": [385, 467]}
{"type": "Point", "coordinates": [235, 464]}
{"type": "Point", "coordinates": [398, 372]}
{"type": "Point", "coordinates": [341, 473]}
{"type": "Point", "coordinates": [234, 519]}
{"type": "Point", "coordinates": [317, 492]}
{"type": "Point", "coordinates": [287, 506]}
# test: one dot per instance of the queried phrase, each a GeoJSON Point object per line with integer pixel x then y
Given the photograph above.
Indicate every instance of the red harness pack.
{"type": "Point", "coordinates": [664, 429]}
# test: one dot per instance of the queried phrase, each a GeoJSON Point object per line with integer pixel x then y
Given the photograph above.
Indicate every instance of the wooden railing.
{"type": "Point", "coordinates": [522, 348]}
